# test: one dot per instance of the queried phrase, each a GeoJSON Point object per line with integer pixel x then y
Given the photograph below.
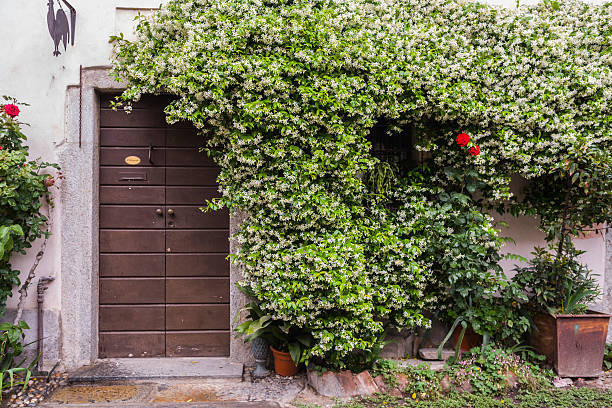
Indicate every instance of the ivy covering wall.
{"type": "Point", "coordinates": [287, 92]}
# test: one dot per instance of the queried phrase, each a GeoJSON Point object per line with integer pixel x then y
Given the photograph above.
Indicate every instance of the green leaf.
{"type": "Point", "coordinates": [296, 352]}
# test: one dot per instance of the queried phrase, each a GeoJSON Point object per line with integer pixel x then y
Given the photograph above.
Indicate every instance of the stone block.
{"type": "Point", "coordinates": [347, 383]}
{"type": "Point", "coordinates": [398, 346]}
{"type": "Point", "coordinates": [326, 384]}
{"type": "Point", "coordinates": [342, 384]}
{"type": "Point", "coordinates": [391, 350]}
{"type": "Point", "coordinates": [562, 382]}
{"type": "Point", "coordinates": [365, 383]}
{"type": "Point", "coordinates": [435, 365]}
{"type": "Point", "coordinates": [380, 382]}
{"type": "Point", "coordinates": [430, 353]}
{"type": "Point", "coordinates": [402, 382]}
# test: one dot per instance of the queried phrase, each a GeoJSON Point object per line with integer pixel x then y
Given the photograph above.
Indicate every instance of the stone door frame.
{"type": "Point", "coordinates": [78, 225]}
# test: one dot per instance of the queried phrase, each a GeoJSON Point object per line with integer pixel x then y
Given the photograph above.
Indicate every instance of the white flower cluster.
{"type": "Point", "coordinates": [287, 91]}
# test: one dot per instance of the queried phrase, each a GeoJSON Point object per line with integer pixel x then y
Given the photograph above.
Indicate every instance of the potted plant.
{"type": "Point", "coordinates": [286, 342]}
{"type": "Point", "coordinates": [569, 201]}
{"type": "Point", "coordinates": [463, 335]}
{"type": "Point", "coordinates": [559, 289]}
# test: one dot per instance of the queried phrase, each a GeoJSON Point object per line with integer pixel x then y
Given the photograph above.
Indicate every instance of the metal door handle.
{"type": "Point", "coordinates": [159, 211]}
{"type": "Point", "coordinates": [150, 153]}
{"type": "Point", "coordinates": [170, 212]}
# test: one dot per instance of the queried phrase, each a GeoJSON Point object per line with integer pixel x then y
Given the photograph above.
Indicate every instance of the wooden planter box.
{"type": "Point", "coordinates": [573, 344]}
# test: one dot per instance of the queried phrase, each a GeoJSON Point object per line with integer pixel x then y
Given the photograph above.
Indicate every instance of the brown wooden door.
{"type": "Point", "coordinates": [164, 276]}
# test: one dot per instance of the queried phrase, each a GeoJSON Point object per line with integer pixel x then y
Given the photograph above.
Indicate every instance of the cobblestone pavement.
{"type": "Point", "coordinates": [272, 391]}
{"type": "Point", "coordinates": [268, 392]}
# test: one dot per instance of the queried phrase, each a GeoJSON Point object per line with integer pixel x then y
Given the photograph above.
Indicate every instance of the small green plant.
{"type": "Point", "coordinates": [577, 297]}
{"type": "Point", "coordinates": [299, 404]}
{"type": "Point", "coordinates": [492, 371]}
{"type": "Point", "coordinates": [12, 371]}
{"type": "Point", "coordinates": [388, 369]}
{"type": "Point", "coordinates": [278, 334]}
{"type": "Point", "coordinates": [382, 177]}
{"type": "Point", "coordinates": [527, 353]}
{"type": "Point", "coordinates": [557, 283]}
{"type": "Point", "coordinates": [569, 398]}
{"type": "Point", "coordinates": [424, 382]}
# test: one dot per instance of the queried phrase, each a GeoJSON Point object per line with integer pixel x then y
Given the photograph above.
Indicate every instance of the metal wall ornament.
{"type": "Point", "coordinates": [58, 25]}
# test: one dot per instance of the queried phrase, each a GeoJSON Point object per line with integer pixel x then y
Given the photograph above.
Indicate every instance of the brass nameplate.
{"type": "Point", "coordinates": [132, 160]}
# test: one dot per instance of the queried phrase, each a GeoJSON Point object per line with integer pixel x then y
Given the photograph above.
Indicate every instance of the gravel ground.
{"type": "Point", "coordinates": [603, 383]}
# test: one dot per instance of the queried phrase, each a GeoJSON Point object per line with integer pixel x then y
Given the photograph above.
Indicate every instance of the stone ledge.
{"type": "Point", "coordinates": [435, 365]}
{"type": "Point", "coordinates": [432, 354]}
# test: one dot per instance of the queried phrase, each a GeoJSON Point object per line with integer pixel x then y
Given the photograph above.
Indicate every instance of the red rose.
{"type": "Point", "coordinates": [49, 182]}
{"type": "Point", "coordinates": [463, 139]}
{"type": "Point", "coordinates": [1, 147]}
{"type": "Point", "coordinates": [474, 150]}
{"type": "Point", "coordinates": [11, 110]}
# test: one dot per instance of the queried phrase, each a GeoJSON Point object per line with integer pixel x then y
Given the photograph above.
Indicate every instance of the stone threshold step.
{"type": "Point", "coordinates": [157, 368]}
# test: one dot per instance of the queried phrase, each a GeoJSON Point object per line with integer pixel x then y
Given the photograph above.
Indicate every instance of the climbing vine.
{"type": "Point", "coordinates": [287, 93]}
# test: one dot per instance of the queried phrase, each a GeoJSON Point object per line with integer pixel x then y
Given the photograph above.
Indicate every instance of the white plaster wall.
{"type": "Point", "coordinates": [30, 72]}
{"type": "Point", "coordinates": [526, 235]}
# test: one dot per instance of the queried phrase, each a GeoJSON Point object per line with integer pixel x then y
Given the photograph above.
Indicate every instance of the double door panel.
{"type": "Point", "coordinates": [164, 276]}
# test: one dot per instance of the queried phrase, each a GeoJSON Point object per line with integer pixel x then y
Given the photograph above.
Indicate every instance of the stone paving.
{"type": "Point", "coordinates": [160, 393]}
{"type": "Point", "coordinates": [272, 391]}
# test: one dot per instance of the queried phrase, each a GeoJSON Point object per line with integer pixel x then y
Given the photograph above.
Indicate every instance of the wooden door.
{"type": "Point", "coordinates": [164, 277]}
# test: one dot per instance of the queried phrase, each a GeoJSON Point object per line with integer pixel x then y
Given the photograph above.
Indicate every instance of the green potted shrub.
{"type": "Point", "coordinates": [286, 342]}
{"type": "Point", "coordinates": [559, 289]}
{"type": "Point", "coordinates": [573, 199]}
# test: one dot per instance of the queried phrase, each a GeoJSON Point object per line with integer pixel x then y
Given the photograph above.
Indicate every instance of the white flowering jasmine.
{"type": "Point", "coordinates": [286, 93]}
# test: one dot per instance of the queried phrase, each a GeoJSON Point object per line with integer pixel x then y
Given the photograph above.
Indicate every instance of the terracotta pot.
{"type": "Point", "coordinates": [283, 363]}
{"type": "Point", "coordinates": [573, 344]}
{"type": "Point", "coordinates": [470, 339]}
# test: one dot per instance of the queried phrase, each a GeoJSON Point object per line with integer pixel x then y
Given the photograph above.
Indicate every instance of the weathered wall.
{"type": "Point", "coordinates": [30, 72]}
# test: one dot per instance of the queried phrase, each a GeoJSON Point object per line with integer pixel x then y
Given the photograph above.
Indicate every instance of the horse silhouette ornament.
{"type": "Point", "coordinates": [58, 25]}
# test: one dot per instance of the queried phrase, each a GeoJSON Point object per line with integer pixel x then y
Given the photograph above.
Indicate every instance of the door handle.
{"type": "Point", "coordinates": [150, 153]}
{"type": "Point", "coordinates": [170, 212]}
{"type": "Point", "coordinates": [159, 211]}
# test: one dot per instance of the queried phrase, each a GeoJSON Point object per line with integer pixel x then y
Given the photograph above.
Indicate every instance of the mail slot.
{"type": "Point", "coordinates": [114, 175]}
{"type": "Point", "coordinates": [140, 176]}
